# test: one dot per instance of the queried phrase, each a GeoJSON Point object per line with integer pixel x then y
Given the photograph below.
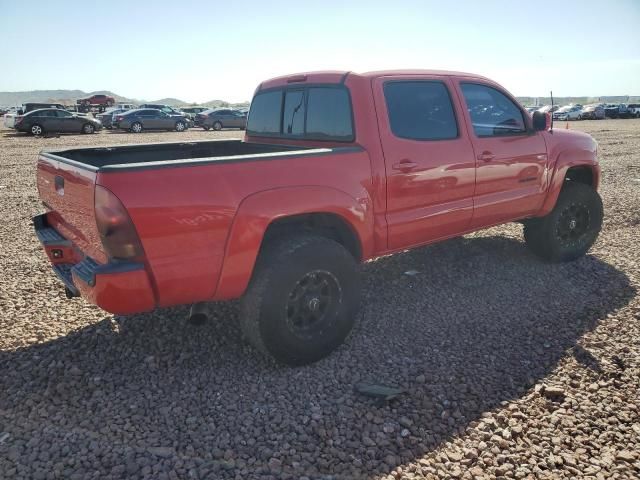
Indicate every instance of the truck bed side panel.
{"type": "Point", "coordinates": [183, 215]}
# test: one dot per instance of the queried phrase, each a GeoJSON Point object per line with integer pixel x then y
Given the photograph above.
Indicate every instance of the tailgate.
{"type": "Point", "coordinates": [67, 189]}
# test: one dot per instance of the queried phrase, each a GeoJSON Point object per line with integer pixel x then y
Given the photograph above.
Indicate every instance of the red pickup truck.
{"type": "Point", "coordinates": [98, 100]}
{"type": "Point", "coordinates": [335, 168]}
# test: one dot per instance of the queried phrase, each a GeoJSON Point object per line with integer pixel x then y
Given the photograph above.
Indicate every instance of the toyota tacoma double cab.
{"type": "Point", "coordinates": [335, 168]}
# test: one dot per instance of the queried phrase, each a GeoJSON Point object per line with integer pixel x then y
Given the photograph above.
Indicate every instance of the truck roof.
{"type": "Point", "coordinates": [338, 76]}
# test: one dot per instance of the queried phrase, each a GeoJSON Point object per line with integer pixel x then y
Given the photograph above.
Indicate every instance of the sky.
{"type": "Point", "coordinates": [203, 50]}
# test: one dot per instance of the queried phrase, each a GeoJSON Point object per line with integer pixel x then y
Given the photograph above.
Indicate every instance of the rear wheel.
{"type": "Point", "coordinates": [302, 299]}
{"type": "Point", "coordinates": [136, 127]}
{"type": "Point", "coordinates": [217, 126]}
{"type": "Point", "coordinates": [207, 128]}
{"type": "Point", "coordinates": [571, 228]}
{"type": "Point", "coordinates": [36, 129]}
{"type": "Point", "coordinates": [88, 128]}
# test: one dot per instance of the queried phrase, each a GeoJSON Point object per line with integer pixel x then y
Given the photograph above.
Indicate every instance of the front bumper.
{"type": "Point", "coordinates": [117, 287]}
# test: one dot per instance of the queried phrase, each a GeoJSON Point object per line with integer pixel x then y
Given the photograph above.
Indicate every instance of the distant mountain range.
{"type": "Point", "coordinates": [9, 99]}
{"type": "Point", "coordinates": [70, 96]}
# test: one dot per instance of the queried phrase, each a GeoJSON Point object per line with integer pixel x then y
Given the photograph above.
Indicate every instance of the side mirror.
{"type": "Point", "coordinates": [541, 121]}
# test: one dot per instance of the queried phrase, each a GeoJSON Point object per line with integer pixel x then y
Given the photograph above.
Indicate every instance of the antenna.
{"type": "Point", "coordinates": [551, 129]}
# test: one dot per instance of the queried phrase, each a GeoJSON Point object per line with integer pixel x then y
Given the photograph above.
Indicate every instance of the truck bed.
{"type": "Point", "coordinates": [155, 155]}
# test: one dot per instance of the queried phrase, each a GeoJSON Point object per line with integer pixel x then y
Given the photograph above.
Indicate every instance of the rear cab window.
{"type": "Point", "coordinates": [420, 110]}
{"type": "Point", "coordinates": [309, 112]}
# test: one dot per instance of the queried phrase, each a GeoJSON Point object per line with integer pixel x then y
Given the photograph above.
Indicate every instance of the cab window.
{"type": "Point", "coordinates": [420, 110]}
{"type": "Point", "coordinates": [492, 113]}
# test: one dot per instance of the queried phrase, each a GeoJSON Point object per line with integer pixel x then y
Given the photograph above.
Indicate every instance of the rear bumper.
{"type": "Point", "coordinates": [117, 287]}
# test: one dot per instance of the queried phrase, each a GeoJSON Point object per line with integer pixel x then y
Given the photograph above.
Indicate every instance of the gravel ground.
{"type": "Point", "coordinates": [512, 368]}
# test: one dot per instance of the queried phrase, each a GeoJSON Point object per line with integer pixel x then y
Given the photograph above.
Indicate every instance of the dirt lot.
{"type": "Point", "coordinates": [513, 368]}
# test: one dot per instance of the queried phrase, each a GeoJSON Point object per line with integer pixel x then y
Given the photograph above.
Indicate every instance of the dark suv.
{"type": "Point", "coordinates": [30, 107]}
{"type": "Point", "coordinates": [164, 108]}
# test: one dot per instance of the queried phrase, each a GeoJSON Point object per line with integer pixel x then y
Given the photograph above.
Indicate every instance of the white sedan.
{"type": "Point", "coordinates": [570, 112]}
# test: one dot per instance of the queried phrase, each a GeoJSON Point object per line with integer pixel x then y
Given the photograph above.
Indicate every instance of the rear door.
{"type": "Point", "coordinates": [428, 159]}
{"type": "Point", "coordinates": [511, 157]}
{"type": "Point", "coordinates": [149, 118]}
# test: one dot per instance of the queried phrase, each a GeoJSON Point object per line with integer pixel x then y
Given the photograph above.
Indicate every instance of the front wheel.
{"type": "Point", "coordinates": [88, 128]}
{"type": "Point", "coordinates": [180, 127]}
{"type": "Point", "coordinates": [302, 299]}
{"type": "Point", "coordinates": [572, 227]}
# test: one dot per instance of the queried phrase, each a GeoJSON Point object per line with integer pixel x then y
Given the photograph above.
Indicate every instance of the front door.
{"type": "Point", "coordinates": [429, 161]}
{"type": "Point", "coordinates": [511, 157]}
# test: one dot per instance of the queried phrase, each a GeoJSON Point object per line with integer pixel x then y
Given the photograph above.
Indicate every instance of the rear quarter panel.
{"type": "Point", "coordinates": [184, 215]}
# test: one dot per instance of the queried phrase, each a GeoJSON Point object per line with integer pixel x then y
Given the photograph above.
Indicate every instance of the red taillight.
{"type": "Point", "coordinates": [117, 233]}
{"type": "Point", "coordinates": [119, 118]}
{"type": "Point", "coordinates": [18, 120]}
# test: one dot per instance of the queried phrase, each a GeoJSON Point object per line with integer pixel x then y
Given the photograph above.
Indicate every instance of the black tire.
{"type": "Point", "coordinates": [296, 280]}
{"type": "Point", "coordinates": [88, 128]}
{"type": "Point", "coordinates": [217, 126]}
{"type": "Point", "coordinates": [207, 128]}
{"type": "Point", "coordinates": [136, 127]}
{"type": "Point", "coordinates": [36, 129]}
{"type": "Point", "coordinates": [181, 126]}
{"type": "Point", "coordinates": [572, 227]}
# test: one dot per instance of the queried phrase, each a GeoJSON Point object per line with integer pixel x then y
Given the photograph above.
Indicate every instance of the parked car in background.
{"type": "Point", "coordinates": [55, 120]}
{"type": "Point", "coordinates": [102, 102]}
{"type": "Point", "coordinates": [593, 112]}
{"type": "Point", "coordinates": [322, 182]}
{"type": "Point", "coordinates": [106, 118]}
{"type": "Point", "coordinates": [193, 111]}
{"type": "Point", "coordinates": [568, 112]}
{"type": "Point", "coordinates": [10, 118]}
{"type": "Point", "coordinates": [29, 107]}
{"type": "Point", "coordinates": [548, 108]}
{"type": "Point", "coordinates": [75, 109]}
{"type": "Point", "coordinates": [532, 109]}
{"type": "Point", "coordinates": [634, 110]}
{"type": "Point", "coordinates": [164, 108]}
{"type": "Point", "coordinates": [221, 118]}
{"type": "Point", "coordinates": [150, 119]}
{"type": "Point", "coordinates": [619, 110]}
{"type": "Point", "coordinates": [125, 106]}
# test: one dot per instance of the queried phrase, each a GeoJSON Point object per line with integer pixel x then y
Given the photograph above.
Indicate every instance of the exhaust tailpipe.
{"type": "Point", "coordinates": [198, 314]}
